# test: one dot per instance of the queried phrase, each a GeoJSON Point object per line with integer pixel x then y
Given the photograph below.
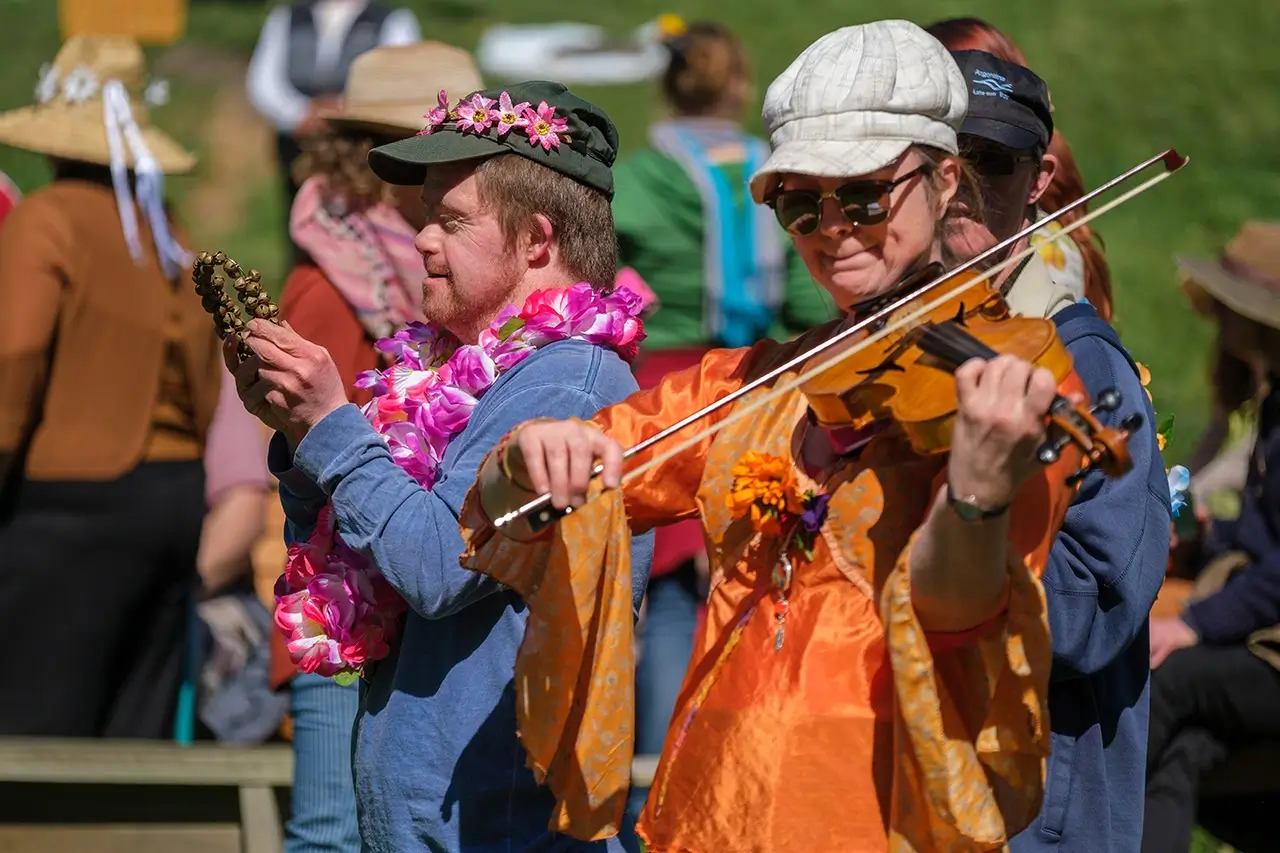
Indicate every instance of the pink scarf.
{"type": "Point", "coordinates": [367, 255]}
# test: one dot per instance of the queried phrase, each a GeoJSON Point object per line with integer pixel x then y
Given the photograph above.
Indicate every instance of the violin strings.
{"type": "Point", "coordinates": [804, 377]}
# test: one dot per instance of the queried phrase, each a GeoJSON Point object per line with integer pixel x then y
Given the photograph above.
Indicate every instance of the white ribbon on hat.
{"type": "Point", "coordinates": [119, 120]}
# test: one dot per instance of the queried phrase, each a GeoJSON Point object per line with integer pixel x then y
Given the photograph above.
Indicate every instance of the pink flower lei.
{"type": "Point", "coordinates": [477, 115]}
{"type": "Point", "coordinates": [335, 609]}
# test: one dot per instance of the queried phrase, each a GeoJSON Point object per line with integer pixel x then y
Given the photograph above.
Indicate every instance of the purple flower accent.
{"type": "Point", "coordinates": [444, 416]}
{"type": "Point", "coordinates": [419, 345]}
{"type": "Point", "coordinates": [373, 379]}
{"type": "Point", "coordinates": [815, 512]}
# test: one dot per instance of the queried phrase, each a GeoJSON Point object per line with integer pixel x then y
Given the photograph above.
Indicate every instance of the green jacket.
{"type": "Point", "coordinates": [658, 215]}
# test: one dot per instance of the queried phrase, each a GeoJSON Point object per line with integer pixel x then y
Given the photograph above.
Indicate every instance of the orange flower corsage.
{"type": "Point", "coordinates": [764, 489]}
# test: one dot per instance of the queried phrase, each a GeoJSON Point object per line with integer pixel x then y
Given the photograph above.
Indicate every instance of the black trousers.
{"type": "Point", "coordinates": [96, 582]}
{"type": "Point", "coordinates": [1206, 702]}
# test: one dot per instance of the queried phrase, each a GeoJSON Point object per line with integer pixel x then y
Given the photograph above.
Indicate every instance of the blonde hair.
{"type": "Point", "coordinates": [705, 61]}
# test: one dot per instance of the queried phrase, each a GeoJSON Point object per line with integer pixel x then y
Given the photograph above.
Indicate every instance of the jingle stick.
{"type": "Point", "coordinates": [227, 319]}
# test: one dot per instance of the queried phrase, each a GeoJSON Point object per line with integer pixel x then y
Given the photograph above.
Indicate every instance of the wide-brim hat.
{"type": "Point", "coordinates": [1245, 277]}
{"type": "Point", "coordinates": [390, 90]}
{"type": "Point", "coordinates": [68, 119]}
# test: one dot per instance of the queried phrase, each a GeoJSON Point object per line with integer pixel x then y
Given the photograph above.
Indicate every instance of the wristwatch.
{"type": "Point", "coordinates": [969, 510]}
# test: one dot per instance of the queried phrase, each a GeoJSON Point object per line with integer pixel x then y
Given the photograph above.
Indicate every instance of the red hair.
{"type": "Point", "coordinates": [1067, 185]}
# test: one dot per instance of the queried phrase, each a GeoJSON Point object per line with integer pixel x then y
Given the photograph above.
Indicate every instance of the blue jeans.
{"type": "Point", "coordinates": [324, 798]}
{"type": "Point", "coordinates": [666, 644]}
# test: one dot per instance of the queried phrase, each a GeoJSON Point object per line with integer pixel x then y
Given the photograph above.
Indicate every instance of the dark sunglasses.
{"type": "Point", "coordinates": [862, 202]}
{"type": "Point", "coordinates": [994, 161]}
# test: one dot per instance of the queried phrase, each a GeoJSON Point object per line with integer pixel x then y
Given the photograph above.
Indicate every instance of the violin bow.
{"type": "Point", "coordinates": [1170, 159]}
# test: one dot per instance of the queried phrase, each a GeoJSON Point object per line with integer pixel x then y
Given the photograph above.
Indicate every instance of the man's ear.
{"type": "Point", "coordinates": [1048, 168]}
{"type": "Point", "coordinates": [539, 248]}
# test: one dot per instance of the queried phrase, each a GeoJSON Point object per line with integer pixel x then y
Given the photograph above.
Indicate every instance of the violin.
{"type": "Point", "coordinates": [898, 362]}
{"type": "Point", "coordinates": [908, 377]}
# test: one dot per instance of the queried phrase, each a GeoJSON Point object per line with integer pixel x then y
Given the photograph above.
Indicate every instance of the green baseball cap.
{"type": "Point", "coordinates": [540, 120]}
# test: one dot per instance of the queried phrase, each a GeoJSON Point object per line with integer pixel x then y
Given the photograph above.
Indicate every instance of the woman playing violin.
{"type": "Point", "coordinates": [873, 670]}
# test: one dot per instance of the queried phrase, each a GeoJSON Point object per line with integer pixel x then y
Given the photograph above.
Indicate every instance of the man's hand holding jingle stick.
{"type": "Point", "coordinates": [289, 383]}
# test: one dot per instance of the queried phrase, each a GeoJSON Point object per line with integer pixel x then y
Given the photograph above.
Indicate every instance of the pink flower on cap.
{"type": "Point", "coordinates": [473, 115]}
{"type": "Point", "coordinates": [543, 127]}
{"type": "Point", "coordinates": [509, 115]}
{"type": "Point", "coordinates": [438, 116]}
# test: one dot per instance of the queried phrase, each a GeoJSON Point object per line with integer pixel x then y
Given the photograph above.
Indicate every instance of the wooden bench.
{"type": "Point", "coordinates": [60, 796]}
{"type": "Point", "coordinates": [141, 796]}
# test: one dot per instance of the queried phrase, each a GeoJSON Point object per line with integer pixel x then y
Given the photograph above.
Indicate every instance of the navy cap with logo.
{"type": "Point", "coordinates": [1008, 103]}
{"type": "Point", "coordinates": [542, 121]}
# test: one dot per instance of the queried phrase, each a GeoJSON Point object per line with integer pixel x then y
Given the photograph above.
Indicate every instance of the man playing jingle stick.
{"type": "Point", "coordinates": [520, 257]}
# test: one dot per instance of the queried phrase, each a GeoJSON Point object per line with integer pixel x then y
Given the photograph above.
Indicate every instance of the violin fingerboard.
{"type": "Point", "coordinates": [951, 344]}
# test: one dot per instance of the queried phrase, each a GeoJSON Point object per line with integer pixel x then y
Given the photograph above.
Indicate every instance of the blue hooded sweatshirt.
{"type": "Point", "coordinates": [1104, 572]}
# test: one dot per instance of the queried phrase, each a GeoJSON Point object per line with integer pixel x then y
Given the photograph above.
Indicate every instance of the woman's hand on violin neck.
{"type": "Point", "coordinates": [558, 457]}
{"type": "Point", "coordinates": [1000, 421]}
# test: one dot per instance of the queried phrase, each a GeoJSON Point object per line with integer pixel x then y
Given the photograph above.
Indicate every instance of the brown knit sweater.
{"type": "Point", "coordinates": [103, 362]}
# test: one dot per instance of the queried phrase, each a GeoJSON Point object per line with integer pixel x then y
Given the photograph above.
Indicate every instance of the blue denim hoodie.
{"type": "Point", "coordinates": [1105, 569]}
{"type": "Point", "coordinates": [437, 763]}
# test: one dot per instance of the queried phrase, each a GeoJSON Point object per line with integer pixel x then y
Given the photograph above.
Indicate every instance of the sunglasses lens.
{"type": "Point", "coordinates": [798, 212]}
{"type": "Point", "coordinates": [991, 163]}
{"type": "Point", "coordinates": [863, 204]}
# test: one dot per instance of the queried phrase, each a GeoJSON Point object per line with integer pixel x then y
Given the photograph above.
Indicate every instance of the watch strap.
{"type": "Point", "coordinates": [968, 508]}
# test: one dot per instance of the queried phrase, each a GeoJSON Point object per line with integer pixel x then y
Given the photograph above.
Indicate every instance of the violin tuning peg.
{"type": "Point", "coordinates": [1132, 423]}
{"type": "Point", "coordinates": [1107, 401]}
{"type": "Point", "coordinates": [1051, 451]}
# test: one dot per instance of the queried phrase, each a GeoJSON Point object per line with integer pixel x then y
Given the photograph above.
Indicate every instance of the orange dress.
{"type": "Point", "coordinates": [860, 732]}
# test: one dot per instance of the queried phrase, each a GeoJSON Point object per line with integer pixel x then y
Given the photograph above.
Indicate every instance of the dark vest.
{"type": "Point", "coordinates": [305, 76]}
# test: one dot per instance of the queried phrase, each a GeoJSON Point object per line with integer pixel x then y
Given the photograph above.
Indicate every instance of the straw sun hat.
{"type": "Point", "coordinates": [92, 77]}
{"type": "Point", "coordinates": [390, 89]}
{"type": "Point", "coordinates": [1244, 278]}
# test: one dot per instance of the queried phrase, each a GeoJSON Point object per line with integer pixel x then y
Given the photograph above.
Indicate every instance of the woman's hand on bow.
{"type": "Point", "coordinates": [558, 457]}
{"type": "Point", "coordinates": [999, 424]}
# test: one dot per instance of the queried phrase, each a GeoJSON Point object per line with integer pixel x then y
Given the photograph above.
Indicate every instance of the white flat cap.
{"type": "Point", "coordinates": [856, 99]}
